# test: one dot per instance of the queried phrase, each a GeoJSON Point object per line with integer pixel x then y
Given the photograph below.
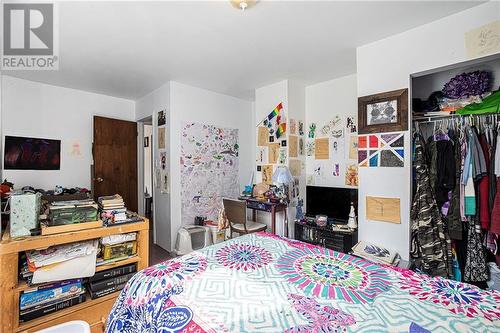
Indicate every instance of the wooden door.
{"type": "Point", "coordinates": [115, 159]}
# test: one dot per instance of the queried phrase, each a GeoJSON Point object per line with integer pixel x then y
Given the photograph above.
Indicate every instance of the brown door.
{"type": "Point", "coordinates": [115, 159]}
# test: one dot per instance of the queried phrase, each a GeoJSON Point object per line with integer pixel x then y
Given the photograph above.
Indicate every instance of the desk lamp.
{"type": "Point", "coordinates": [283, 178]}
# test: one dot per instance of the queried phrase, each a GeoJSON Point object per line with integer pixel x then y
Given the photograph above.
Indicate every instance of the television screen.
{"type": "Point", "coordinates": [31, 153]}
{"type": "Point", "coordinates": [335, 202]}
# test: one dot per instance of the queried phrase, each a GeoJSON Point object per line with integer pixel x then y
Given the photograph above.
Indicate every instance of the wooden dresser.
{"type": "Point", "coordinates": [95, 312]}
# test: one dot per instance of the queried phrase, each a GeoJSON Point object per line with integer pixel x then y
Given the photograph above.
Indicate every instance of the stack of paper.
{"type": "Point", "coordinates": [61, 262]}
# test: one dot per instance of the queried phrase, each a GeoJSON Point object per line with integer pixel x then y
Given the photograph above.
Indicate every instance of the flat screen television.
{"type": "Point", "coordinates": [335, 202]}
{"type": "Point", "coordinates": [21, 153]}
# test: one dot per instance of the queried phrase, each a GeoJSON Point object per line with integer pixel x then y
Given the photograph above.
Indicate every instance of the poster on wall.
{"type": "Point", "coordinates": [293, 146]}
{"type": "Point", "coordinates": [209, 169]}
{"type": "Point", "coordinates": [21, 153]}
{"type": "Point", "coordinates": [322, 148]}
{"type": "Point", "coordinates": [262, 155]}
{"type": "Point", "coordinates": [162, 118]}
{"type": "Point", "coordinates": [353, 147]}
{"type": "Point", "coordinates": [293, 126]}
{"type": "Point", "coordinates": [161, 138]}
{"type": "Point", "coordinates": [381, 150]}
{"type": "Point", "coordinates": [267, 174]}
{"type": "Point", "coordinates": [274, 152]}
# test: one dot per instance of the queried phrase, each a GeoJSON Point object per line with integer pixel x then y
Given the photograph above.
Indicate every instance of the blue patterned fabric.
{"type": "Point", "coordinates": [265, 283]}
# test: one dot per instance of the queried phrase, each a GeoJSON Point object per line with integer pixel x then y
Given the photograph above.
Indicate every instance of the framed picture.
{"type": "Point", "coordinates": [22, 153]}
{"type": "Point", "coordinates": [385, 112]}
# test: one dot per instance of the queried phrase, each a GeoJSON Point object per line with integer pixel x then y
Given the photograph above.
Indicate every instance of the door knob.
{"type": "Point", "coordinates": [99, 180]}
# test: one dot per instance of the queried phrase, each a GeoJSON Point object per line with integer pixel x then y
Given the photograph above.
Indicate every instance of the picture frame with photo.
{"type": "Point", "coordinates": [384, 112]}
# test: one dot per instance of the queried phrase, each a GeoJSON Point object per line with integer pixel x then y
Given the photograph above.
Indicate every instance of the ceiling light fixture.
{"type": "Point", "coordinates": [242, 4]}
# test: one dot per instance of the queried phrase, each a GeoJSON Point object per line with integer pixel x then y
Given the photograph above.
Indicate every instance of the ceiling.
{"type": "Point", "coordinates": [128, 49]}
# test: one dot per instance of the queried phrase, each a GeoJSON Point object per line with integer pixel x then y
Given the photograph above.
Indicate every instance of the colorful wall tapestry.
{"type": "Point", "coordinates": [209, 169]}
{"type": "Point", "coordinates": [381, 150]}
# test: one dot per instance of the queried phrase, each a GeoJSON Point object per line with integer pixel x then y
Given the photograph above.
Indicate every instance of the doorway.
{"type": "Point", "coordinates": [146, 166]}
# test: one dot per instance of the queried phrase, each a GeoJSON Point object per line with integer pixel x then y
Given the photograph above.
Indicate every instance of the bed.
{"type": "Point", "coordinates": [265, 283]}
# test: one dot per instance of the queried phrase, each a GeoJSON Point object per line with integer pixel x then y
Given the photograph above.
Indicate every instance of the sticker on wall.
{"type": "Point", "coordinates": [293, 126]}
{"type": "Point", "coordinates": [76, 149]}
{"type": "Point", "coordinates": [161, 138]}
{"type": "Point", "coordinates": [310, 148]}
{"type": "Point", "coordinates": [351, 175]}
{"type": "Point", "coordinates": [331, 126]}
{"type": "Point", "coordinates": [293, 146]}
{"type": "Point", "coordinates": [322, 149]}
{"type": "Point", "coordinates": [162, 118]}
{"type": "Point", "coordinates": [271, 138]}
{"type": "Point", "coordinates": [381, 150]}
{"type": "Point", "coordinates": [283, 143]}
{"type": "Point", "coordinates": [319, 173]}
{"type": "Point", "coordinates": [312, 131]}
{"type": "Point", "coordinates": [351, 124]}
{"type": "Point", "coordinates": [163, 160]}
{"type": "Point", "coordinates": [336, 170]}
{"type": "Point", "coordinates": [483, 40]}
{"type": "Point", "coordinates": [301, 127]}
{"type": "Point", "coordinates": [301, 146]}
{"type": "Point", "coordinates": [282, 157]}
{"type": "Point", "coordinates": [262, 155]}
{"type": "Point", "coordinates": [337, 149]}
{"type": "Point", "coordinates": [309, 179]}
{"type": "Point", "coordinates": [164, 188]}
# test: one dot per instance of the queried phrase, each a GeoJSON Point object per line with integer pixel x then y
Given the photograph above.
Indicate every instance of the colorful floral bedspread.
{"type": "Point", "coordinates": [265, 283]}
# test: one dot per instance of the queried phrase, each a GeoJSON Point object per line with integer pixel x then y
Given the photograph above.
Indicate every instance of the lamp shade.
{"type": "Point", "coordinates": [282, 175]}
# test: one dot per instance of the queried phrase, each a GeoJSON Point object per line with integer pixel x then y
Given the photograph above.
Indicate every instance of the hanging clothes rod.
{"type": "Point", "coordinates": [431, 119]}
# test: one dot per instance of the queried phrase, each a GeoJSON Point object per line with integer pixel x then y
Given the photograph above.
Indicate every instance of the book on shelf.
{"type": "Point", "coordinates": [110, 273]}
{"type": "Point", "coordinates": [47, 293]}
{"type": "Point", "coordinates": [34, 313]}
{"type": "Point", "coordinates": [112, 282]}
{"type": "Point", "coordinates": [101, 261]}
{"type": "Point", "coordinates": [106, 291]}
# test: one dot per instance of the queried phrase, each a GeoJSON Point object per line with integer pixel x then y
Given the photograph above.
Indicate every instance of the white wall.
{"type": "Point", "coordinates": [203, 106]}
{"type": "Point", "coordinates": [386, 65]}
{"type": "Point", "coordinates": [39, 110]}
{"type": "Point", "coordinates": [324, 101]}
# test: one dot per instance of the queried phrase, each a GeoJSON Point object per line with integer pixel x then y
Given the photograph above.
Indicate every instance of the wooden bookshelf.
{"type": "Point", "coordinates": [93, 311]}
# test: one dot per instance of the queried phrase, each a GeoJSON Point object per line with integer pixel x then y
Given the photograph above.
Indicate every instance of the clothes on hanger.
{"type": "Point", "coordinates": [431, 244]}
{"type": "Point", "coordinates": [456, 175]}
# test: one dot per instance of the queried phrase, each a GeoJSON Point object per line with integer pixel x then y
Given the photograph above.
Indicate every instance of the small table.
{"type": "Point", "coordinates": [270, 207]}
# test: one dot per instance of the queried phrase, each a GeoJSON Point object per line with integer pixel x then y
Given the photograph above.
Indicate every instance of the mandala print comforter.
{"type": "Point", "coordinates": [264, 283]}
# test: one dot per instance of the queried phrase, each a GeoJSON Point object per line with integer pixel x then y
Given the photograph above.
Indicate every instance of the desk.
{"type": "Point", "coordinates": [270, 207]}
